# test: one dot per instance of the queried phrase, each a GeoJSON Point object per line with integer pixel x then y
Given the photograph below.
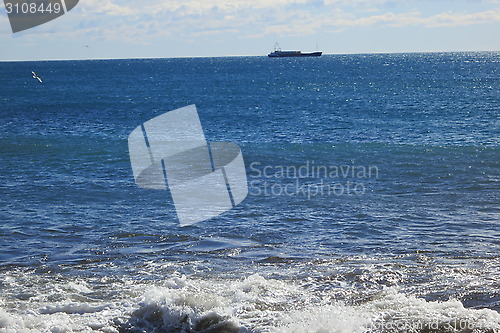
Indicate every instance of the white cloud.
{"type": "Point", "coordinates": [201, 7]}
{"type": "Point", "coordinates": [448, 19]}
{"type": "Point", "coordinates": [106, 7]}
{"type": "Point", "coordinates": [367, 3]}
{"type": "Point", "coordinates": [143, 21]}
{"type": "Point", "coordinates": [462, 19]}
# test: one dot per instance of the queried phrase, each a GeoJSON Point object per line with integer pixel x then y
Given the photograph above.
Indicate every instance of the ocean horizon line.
{"type": "Point", "coordinates": [249, 56]}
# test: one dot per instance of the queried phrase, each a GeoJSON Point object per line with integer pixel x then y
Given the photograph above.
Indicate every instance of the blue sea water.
{"type": "Point", "coordinates": [373, 206]}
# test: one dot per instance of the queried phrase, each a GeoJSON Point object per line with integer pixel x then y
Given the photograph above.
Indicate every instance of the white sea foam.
{"type": "Point", "coordinates": [251, 304]}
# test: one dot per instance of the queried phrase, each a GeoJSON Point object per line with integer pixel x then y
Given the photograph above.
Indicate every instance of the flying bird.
{"type": "Point", "coordinates": [35, 76]}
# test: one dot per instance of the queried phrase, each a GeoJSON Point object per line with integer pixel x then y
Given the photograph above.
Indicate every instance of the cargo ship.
{"type": "Point", "coordinates": [279, 53]}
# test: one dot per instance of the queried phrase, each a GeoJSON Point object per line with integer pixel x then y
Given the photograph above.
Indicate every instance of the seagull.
{"type": "Point", "coordinates": [35, 76]}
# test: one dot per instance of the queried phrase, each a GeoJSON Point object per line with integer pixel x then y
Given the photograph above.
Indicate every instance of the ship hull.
{"type": "Point", "coordinates": [283, 54]}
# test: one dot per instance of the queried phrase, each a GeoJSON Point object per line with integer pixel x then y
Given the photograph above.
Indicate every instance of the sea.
{"type": "Point", "coordinates": [373, 197]}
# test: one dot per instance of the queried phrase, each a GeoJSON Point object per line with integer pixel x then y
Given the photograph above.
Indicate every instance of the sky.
{"type": "Point", "coordinates": [102, 29]}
